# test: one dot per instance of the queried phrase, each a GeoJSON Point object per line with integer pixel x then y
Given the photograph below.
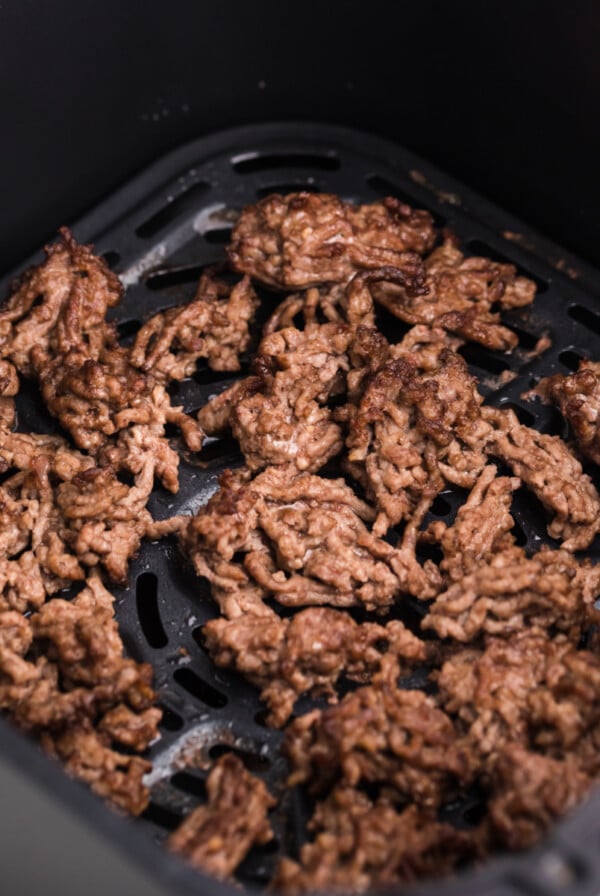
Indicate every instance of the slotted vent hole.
{"type": "Point", "coordinates": [253, 162]}
{"type": "Point", "coordinates": [478, 247]}
{"type": "Point", "coordinates": [440, 506]}
{"type": "Point", "coordinates": [584, 316]}
{"type": "Point", "coordinates": [164, 818]}
{"type": "Point", "coordinates": [176, 208]}
{"type": "Point", "coordinates": [175, 276]}
{"type": "Point", "coordinates": [527, 341]}
{"type": "Point", "coordinates": [386, 187]}
{"type": "Point", "coordinates": [171, 720]}
{"type": "Point", "coordinates": [253, 761]}
{"type": "Point", "coordinates": [483, 358]}
{"type": "Point", "coordinates": [189, 784]}
{"type": "Point", "coordinates": [570, 359]}
{"type": "Point", "coordinates": [219, 235]}
{"type": "Point", "coordinates": [112, 258]}
{"type": "Point", "coordinates": [128, 328]}
{"type": "Point", "coordinates": [283, 189]}
{"type": "Point", "coordinates": [200, 689]}
{"type": "Point", "coordinates": [146, 596]}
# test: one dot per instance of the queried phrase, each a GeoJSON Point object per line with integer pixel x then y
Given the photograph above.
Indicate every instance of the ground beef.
{"type": "Point", "coordinates": [308, 653]}
{"type": "Point", "coordinates": [214, 325]}
{"type": "Point", "coordinates": [63, 676]}
{"type": "Point", "coordinates": [482, 526]}
{"type": "Point", "coordinates": [382, 734]}
{"type": "Point", "coordinates": [553, 473]}
{"type": "Point", "coordinates": [529, 794]}
{"type": "Point", "coordinates": [216, 837]}
{"type": "Point", "coordinates": [279, 416]}
{"type": "Point", "coordinates": [578, 398]}
{"type": "Point", "coordinates": [72, 281]}
{"type": "Point", "coordinates": [307, 239]}
{"type": "Point", "coordinates": [531, 689]}
{"type": "Point", "coordinates": [301, 539]}
{"type": "Point", "coordinates": [461, 293]}
{"type": "Point", "coordinates": [413, 430]}
{"type": "Point", "coordinates": [509, 591]}
{"type": "Point", "coordinates": [359, 844]}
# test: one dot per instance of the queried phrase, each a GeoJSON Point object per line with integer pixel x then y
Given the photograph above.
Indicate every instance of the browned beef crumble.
{"type": "Point", "coordinates": [577, 395]}
{"type": "Point", "coordinates": [216, 837]}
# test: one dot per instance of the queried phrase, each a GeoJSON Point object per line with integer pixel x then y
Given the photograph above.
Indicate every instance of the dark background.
{"type": "Point", "coordinates": [505, 96]}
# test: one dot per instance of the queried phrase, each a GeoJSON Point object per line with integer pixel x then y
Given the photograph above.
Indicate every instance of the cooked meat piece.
{"type": "Point", "coordinates": [305, 239]}
{"type": "Point", "coordinates": [578, 398]}
{"type": "Point", "coordinates": [304, 541]}
{"type": "Point", "coordinates": [278, 416]}
{"type": "Point", "coordinates": [311, 307]}
{"type": "Point", "coordinates": [382, 734]}
{"type": "Point", "coordinates": [482, 525]}
{"type": "Point", "coordinates": [532, 689]}
{"type": "Point", "coordinates": [113, 410]}
{"type": "Point", "coordinates": [530, 793]}
{"type": "Point", "coordinates": [9, 387]}
{"type": "Point", "coordinates": [510, 590]}
{"type": "Point", "coordinates": [87, 755]}
{"type": "Point", "coordinates": [65, 514]}
{"type": "Point", "coordinates": [218, 836]}
{"type": "Point", "coordinates": [62, 672]}
{"type": "Point", "coordinates": [85, 377]}
{"type": "Point", "coordinates": [414, 429]}
{"type": "Point", "coordinates": [361, 844]}
{"type": "Point", "coordinates": [461, 295]}
{"type": "Point", "coordinates": [555, 476]}
{"type": "Point", "coordinates": [214, 325]}
{"type": "Point", "coordinates": [424, 345]}
{"type": "Point", "coordinates": [306, 654]}
{"type": "Point", "coordinates": [488, 690]}
{"type": "Point", "coordinates": [71, 282]}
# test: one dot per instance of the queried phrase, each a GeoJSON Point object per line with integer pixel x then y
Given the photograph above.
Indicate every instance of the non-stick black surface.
{"type": "Point", "coordinates": [158, 234]}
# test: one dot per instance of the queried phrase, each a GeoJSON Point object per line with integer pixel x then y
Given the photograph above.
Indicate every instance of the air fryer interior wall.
{"type": "Point", "coordinates": [503, 96]}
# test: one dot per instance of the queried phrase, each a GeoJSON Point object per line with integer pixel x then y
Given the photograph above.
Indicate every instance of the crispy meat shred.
{"type": "Point", "coordinates": [307, 239]}
{"type": "Point", "coordinates": [461, 295]}
{"type": "Point", "coordinates": [359, 844]}
{"type": "Point", "coordinates": [308, 653]}
{"type": "Point", "coordinates": [216, 837]}
{"type": "Point", "coordinates": [578, 398]}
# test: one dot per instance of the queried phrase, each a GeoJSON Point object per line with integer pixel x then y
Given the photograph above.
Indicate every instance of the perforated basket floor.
{"type": "Point", "coordinates": [158, 232]}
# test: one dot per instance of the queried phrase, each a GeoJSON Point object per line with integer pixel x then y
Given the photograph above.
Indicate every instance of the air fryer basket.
{"type": "Point", "coordinates": [158, 232]}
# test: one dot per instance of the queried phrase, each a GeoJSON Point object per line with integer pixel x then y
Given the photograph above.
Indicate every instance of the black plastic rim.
{"type": "Point", "coordinates": [157, 232]}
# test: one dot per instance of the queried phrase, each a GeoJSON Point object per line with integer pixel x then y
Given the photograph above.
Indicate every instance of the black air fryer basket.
{"type": "Point", "coordinates": [158, 231]}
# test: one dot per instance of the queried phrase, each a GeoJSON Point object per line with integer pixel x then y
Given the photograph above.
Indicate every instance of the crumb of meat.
{"type": "Point", "coordinates": [552, 472]}
{"type": "Point", "coordinates": [216, 837]}
{"type": "Point", "coordinates": [384, 734]}
{"type": "Point", "coordinates": [304, 542]}
{"type": "Point", "coordinates": [461, 295]}
{"type": "Point", "coordinates": [63, 676]}
{"type": "Point", "coordinates": [510, 590]}
{"type": "Point", "coordinates": [307, 239]}
{"type": "Point", "coordinates": [413, 430]}
{"type": "Point", "coordinates": [71, 280]}
{"type": "Point", "coordinates": [482, 526]}
{"type": "Point", "coordinates": [214, 325]}
{"type": "Point", "coordinates": [359, 844]}
{"type": "Point", "coordinates": [54, 328]}
{"type": "Point", "coordinates": [307, 654]}
{"type": "Point", "coordinates": [578, 398]}
{"type": "Point", "coordinates": [86, 754]}
{"type": "Point", "coordinates": [529, 793]}
{"type": "Point", "coordinates": [279, 415]}
{"type": "Point", "coordinates": [60, 514]}
{"type": "Point", "coordinates": [531, 689]}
